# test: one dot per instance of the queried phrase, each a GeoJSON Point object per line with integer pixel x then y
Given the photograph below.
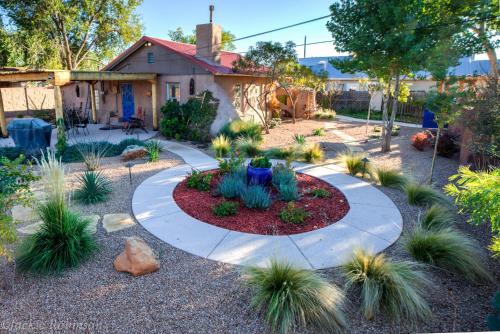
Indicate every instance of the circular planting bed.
{"type": "Point", "coordinates": [319, 211]}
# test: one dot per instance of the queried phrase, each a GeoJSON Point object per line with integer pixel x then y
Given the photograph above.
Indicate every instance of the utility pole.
{"type": "Point", "coordinates": [305, 43]}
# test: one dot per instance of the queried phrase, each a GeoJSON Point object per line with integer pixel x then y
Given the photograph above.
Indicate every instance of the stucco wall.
{"type": "Point", "coordinates": [21, 99]}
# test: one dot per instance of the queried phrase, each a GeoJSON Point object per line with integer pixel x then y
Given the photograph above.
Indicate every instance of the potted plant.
{"type": "Point", "coordinates": [260, 171]}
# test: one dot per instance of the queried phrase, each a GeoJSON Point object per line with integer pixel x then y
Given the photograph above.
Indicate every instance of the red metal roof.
{"type": "Point", "coordinates": [186, 50]}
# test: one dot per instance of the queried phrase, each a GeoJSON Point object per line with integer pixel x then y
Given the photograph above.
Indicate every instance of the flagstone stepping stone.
{"type": "Point", "coordinates": [94, 219]}
{"type": "Point", "coordinates": [23, 214]}
{"type": "Point", "coordinates": [31, 228]}
{"type": "Point", "coordinates": [117, 221]}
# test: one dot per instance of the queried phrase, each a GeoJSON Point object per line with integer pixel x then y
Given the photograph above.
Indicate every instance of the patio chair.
{"type": "Point", "coordinates": [82, 121]}
{"type": "Point", "coordinates": [136, 122]}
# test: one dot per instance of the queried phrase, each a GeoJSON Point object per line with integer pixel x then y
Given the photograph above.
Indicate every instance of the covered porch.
{"type": "Point", "coordinates": [59, 78]}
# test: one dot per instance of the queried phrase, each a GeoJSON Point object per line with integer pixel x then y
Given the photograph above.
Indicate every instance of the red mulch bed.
{"type": "Point", "coordinates": [324, 211]}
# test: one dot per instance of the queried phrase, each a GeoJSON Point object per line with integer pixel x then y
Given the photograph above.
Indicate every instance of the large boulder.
{"type": "Point", "coordinates": [133, 152]}
{"type": "Point", "coordinates": [137, 259]}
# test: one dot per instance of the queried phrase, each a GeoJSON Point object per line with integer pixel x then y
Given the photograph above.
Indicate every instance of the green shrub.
{"type": "Point", "coordinates": [299, 139]}
{"type": "Point", "coordinates": [292, 297]}
{"type": "Point", "coordinates": [261, 162]}
{"type": "Point", "coordinates": [293, 215]}
{"type": "Point", "coordinates": [354, 163]}
{"type": "Point", "coordinates": [224, 209]}
{"type": "Point", "coordinates": [313, 153]}
{"type": "Point", "coordinates": [247, 129]}
{"type": "Point", "coordinates": [390, 178]}
{"type": "Point", "coordinates": [421, 195]}
{"type": "Point", "coordinates": [288, 153]}
{"type": "Point", "coordinates": [396, 288]}
{"type": "Point", "coordinates": [320, 193]}
{"type": "Point", "coordinates": [283, 174]}
{"type": "Point", "coordinates": [154, 147]}
{"type": "Point", "coordinates": [437, 217]}
{"type": "Point", "coordinates": [221, 145]}
{"type": "Point", "coordinates": [64, 241]}
{"type": "Point", "coordinates": [11, 153]}
{"type": "Point", "coordinates": [448, 249]}
{"type": "Point", "coordinates": [199, 181]}
{"type": "Point", "coordinates": [231, 186]}
{"type": "Point", "coordinates": [248, 146]}
{"type": "Point", "coordinates": [94, 188]}
{"type": "Point", "coordinates": [318, 132]}
{"type": "Point", "coordinates": [256, 197]}
{"type": "Point", "coordinates": [231, 165]}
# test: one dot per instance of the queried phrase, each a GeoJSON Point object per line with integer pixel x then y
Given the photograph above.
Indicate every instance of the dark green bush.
{"type": "Point", "coordinates": [199, 181]}
{"type": "Point", "coordinates": [11, 153]}
{"type": "Point", "coordinates": [246, 129]}
{"type": "Point", "coordinates": [293, 215]}
{"type": "Point", "coordinates": [191, 120]}
{"type": "Point", "coordinates": [224, 209]}
{"type": "Point", "coordinates": [261, 162]}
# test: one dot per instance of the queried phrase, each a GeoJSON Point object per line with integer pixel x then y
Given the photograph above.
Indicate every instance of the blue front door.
{"type": "Point", "coordinates": [127, 101]}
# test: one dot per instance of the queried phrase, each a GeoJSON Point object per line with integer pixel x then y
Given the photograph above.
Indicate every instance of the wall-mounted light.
{"type": "Point", "coordinates": [147, 44]}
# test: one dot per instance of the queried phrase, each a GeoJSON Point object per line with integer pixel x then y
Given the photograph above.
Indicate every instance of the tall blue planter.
{"type": "Point", "coordinates": [260, 176]}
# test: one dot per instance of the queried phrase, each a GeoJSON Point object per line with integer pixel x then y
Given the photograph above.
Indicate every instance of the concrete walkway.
{"type": "Point", "coordinates": [358, 120]}
{"type": "Point", "coordinates": [373, 222]}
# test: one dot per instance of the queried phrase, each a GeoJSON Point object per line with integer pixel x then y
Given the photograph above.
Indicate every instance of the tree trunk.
{"type": "Point", "coordinates": [434, 154]}
{"type": "Point", "coordinates": [492, 57]}
{"type": "Point", "coordinates": [368, 117]}
{"type": "Point", "coordinates": [388, 133]}
{"type": "Point", "coordinates": [385, 116]}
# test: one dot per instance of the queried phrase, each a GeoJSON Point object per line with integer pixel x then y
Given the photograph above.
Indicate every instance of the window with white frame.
{"type": "Point", "coordinates": [173, 91]}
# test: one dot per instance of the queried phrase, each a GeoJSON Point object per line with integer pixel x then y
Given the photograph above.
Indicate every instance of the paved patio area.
{"type": "Point", "coordinates": [373, 222]}
{"type": "Point", "coordinates": [94, 134]}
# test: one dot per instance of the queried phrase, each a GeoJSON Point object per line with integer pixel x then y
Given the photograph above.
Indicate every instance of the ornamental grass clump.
{"type": "Point", "coordinates": [249, 146]}
{"type": "Point", "coordinates": [394, 287]}
{"type": "Point", "coordinates": [318, 132]}
{"type": "Point", "coordinates": [354, 163]}
{"type": "Point", "coordinates": [283, 174]}
{"type": "Point", "coordinates": [288, 153]}
{"type": "Point", "coordinates": [313, 153]}
{"type": "Point", "coordinates": [293, 215]}
{"type": "Point", "coordinates": [231, 186]}
{"type": "Point", "coordinates": [288, 191]}
{"type": "Point", "coordinates": [221, 146]}
{"type": "Point", "coordinates": [390, 178]}
{"type": "Point", "coordinates": [92, 153]}
{"type": "Point", "coordinates": [291, 297]}
{"type": "Point", "coordinates": [437, 217]}
{"type": "Point", "coordinates": [299, 139]}
{"type": "Point", "coordinates": [247, 129]}
{"type": "Point", "coordinates": [94, 188]}
{"type": "Point", "coordinates": [154, 148]}
{"type": "Point", "coordinates": [255, 197]}
{"type": "Point", "coordinates": [448, 249]}
{"type": "Point", "coordinates": [421, 195]}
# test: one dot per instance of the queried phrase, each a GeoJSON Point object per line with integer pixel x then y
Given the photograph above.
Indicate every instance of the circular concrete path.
{"type": "Point", "coordinates": [373, 222]}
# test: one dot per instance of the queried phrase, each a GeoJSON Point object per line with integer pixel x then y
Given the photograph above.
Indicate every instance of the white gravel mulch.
{"type": "Point", "coordinates": [192, 295]}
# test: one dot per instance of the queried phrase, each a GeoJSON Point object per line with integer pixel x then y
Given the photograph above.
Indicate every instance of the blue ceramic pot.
{"type": "Point", "coordinates": [261, 176]}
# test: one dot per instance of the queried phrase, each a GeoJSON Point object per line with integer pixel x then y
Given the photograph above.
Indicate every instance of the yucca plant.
{"type": "Point", "coordinates": [92, 153]}
{"type": "Point", "coordinates": [421, 195]}
{"type": "Point", "coordinates": [250, 147]}
{"type": "Point", "coordinates": [94, 188]}
{"type": "Point", "coordinates": [154, 148]}
{"type": "Point", "coordinates": [292, 297]}
{"type": "Point", "coordinates": [396, 288]}
{"type": "Point", "coordinates": [448, 249]}
{"type": "Point", "coordinates": [437, 217]}
{"type": "Point", "coordinates": [313, 153]}
{"type": "Point", "coordinates": [299, 139]}
{"type": "Point", "coordinates": [390, 178]}
{"type": "Point", "coordinates": [63, 242]}
{"type": "Point", "coordinates": [221, 145]}
{"type": "Point", "coordinates": [354, 163]}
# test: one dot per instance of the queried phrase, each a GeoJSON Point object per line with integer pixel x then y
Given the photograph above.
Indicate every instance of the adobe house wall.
{"type": "Point", "coordinates": [26, 100]}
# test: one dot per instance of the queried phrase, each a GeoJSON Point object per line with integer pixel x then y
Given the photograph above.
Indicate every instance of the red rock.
{"type": "Point", "coordinates": [137, 259]}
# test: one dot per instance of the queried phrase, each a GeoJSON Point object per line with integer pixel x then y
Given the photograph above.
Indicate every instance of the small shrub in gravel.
{"type": "Point", "coordinates": [221, 145]}
{"type": "Point", "coordinates": [437, 217]}
{"type": "Point", "coordinates": [396, 288]}
{"type": "Point", "coordinates": [231, 186]}
{"type": "Point", "coordinates": [250, 147]}
{"type": "Point", "coordinates": [420, 140]}
{"type": "Point", "coordinates": [299, 139]}
{"type": "Point", "coordinates": [92, 153]}
{"type": "Point", "coordinates": [225, 209]}
{"type": "Point", "coordinates": [318, 132]}
{"type": "Point", "coordinates": [256, 197]}
{"type": "Point", "coordinates": [448, 249]}
{"type": "Point", "coordinates": [320, 193]}
{"type": "Point", "coordinates": [292, 297]}
{"type": "Point", "coordinates": [238, 128]}
{"type": "Point", "coordinates": [325, 114]}
{"type": "Point", "coordinates": [293, 215]}
{"type": "Point", "coordinates": [421, 195]}
{"type": "Point", "coordinates": [390, 178]}
{"type": "Point", "coordinates": [354, 163]}
{"type": "Point", "coordinates": [199, 181]}
{"type": "Point", "coordinates": [313, 153]}
{"type": "Point", "coordinates": [94, 188]}
{"type": "Point", "coordinates": [283, 174]}
{"type": "Point", "coordinates": [154, 148]}
{"type": "Point", "coordinates": [288, 153]}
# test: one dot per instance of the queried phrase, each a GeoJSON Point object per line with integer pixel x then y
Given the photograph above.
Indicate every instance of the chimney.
{"type": "Point", "coordinates": [208, 40]}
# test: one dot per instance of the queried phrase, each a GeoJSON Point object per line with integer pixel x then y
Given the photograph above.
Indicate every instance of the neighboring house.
{"type": "Point", "coordinates": [422, 81]}
{"type": "Point", "coordinates": [183, 70]}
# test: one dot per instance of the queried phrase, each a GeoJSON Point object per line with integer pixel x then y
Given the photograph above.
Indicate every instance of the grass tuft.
{"type": "Point", "coordinates": [293, 297]}
{"type": "Point", "coordinates": [313, 153]}
{"type": "Point", "coordinates": [354, 163]}
{"type": "Point", "coordinates": [421, 195]}
{"type": "Point", "coordinates": [256, 197]}
{"type": "Point", "coordinates": [299, 139]}
{"type": "Point", "coordinates": [221, 145]}
{"type": "Point", "coordinates": [318, 132]}
{"type": "Point", "coordinates": [396, 288]}
{"type": "Point", "coordinates": [154, 148]}
{"type": "Point", "coordinates": [390, 178]}
{"type": "Point", "coordinates": [94, 188]}
{"type": "Point", "coordinates": [437, 217]}
{"type": "Point", "coordinates": [448, 249]}
{"type": "Point", "coordinates": [248, 146]}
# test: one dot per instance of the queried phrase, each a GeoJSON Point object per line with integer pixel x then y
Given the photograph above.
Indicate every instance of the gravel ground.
{"type": "Point", "coordinates": [192, 295]}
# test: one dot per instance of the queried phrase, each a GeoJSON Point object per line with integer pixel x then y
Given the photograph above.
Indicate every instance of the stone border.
{"type": "Point", "coordinates": [373, 222]}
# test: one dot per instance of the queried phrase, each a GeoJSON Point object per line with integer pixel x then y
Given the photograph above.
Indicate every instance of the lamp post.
{"type": "Point", "coordinates": [365, 161]}
{"type": "Point", "coordinates": [129, 165]}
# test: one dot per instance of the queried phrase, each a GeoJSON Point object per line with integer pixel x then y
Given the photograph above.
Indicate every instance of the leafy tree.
{"type": "Point", "coordinates": [80, 33]}
{"type": "Point", "coordinates": [388, 40]}
{"type": "Point", "coordinates": [266, 63]}
{"type": "Point", "coordinates": [178, 35]}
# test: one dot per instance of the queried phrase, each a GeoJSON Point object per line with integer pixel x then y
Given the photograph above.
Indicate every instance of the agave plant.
{"type": "Point", "coordinates": [94, 187]}
{"type": "Point", "coordinates": [92, 153]}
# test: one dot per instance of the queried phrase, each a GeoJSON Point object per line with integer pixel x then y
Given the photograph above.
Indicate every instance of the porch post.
{"type": "Point", "coordinates": [58, 105]}
{"type": "Point", "coordinates": [92, 102]}
{"type": "Point", "coordinates": [153, 105]}
{"type": "Point", "coordinates": [3, 121]}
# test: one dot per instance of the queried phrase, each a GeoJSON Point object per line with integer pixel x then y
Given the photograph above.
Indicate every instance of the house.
{"type": "Point", "coordinates": [182, 71]}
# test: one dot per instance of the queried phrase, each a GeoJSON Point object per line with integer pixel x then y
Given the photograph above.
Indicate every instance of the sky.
{"type": "Point", "coordinates": [243, 18]}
